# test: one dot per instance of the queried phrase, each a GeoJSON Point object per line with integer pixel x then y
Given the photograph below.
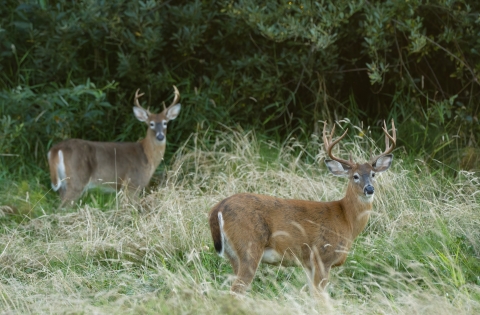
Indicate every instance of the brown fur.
{"type": "Point", "coordinates": [112, 164]}
{"type": "Point", "coordinates": [315, 235]}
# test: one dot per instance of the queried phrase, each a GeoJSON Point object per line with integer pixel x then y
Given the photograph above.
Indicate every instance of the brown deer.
{"type": "Point", "coordinates": [250, 228]}
{"type": "Point", "coordinates": [76, 164]}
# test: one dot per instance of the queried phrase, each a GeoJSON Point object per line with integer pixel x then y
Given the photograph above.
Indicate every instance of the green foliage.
{"type": "Point", "coordinates": [437, 254]}
{"type": "Point", "coordinates": [36, 120]}
{"type": "Point", "coordinates": [276, 66]}
{"type": "Point", "coordinates": [22, 201]}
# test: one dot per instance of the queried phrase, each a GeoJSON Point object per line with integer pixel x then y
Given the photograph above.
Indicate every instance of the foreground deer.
{"type": "Point", "coordinates": [251, 228]}
{"type": "Point", "coordinates": [77, 164]}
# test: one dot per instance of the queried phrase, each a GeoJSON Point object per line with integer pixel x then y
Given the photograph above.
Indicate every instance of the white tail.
{"type": "Point", "coordinates": [77, 164]}
{"type": "Point", "coordinates": [250, 228]}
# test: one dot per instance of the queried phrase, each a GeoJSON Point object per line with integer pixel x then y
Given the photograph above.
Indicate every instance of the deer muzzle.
{"type": "Point", "coordinates": [368, 190]}
{"type": "Point", "coordinates": [160, 136]}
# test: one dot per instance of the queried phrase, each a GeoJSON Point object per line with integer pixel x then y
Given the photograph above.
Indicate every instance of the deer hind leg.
{"type": "Point", "coordinates": [75, 185]}
{"type": "Point", "coordinates": [71, 192]}
{"type": "Point", "coordinates": [245, 265]}
{"type": "Point", "coordinates": [244, 250]}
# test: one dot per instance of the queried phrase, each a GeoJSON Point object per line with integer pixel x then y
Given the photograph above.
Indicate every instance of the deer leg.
{"type": "Point", "coordinates": [318, 282]}
{"type": "Point", "coordinates": [246, 266]}
{"type": "Point", "coordinates": [245, 250]}
{"type": "Point", "coordinates": [133, 192]}
{"type": "Point", "coordinates": [71, 192]}
{"type": "Point", "coordinates": [320, 279]}
{"type": "Point", "coordinates": [62, 191]}
{"type": "Point", "coordinates": [70, 196]}
{"type": "Point", "coordinates": [317, 273]}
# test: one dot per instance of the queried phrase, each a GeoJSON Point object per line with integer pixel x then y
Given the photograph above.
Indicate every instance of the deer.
{"type": "Point", "coordinates": [77, 165]}
{"type": "Point", "coordinates": [249, 228]}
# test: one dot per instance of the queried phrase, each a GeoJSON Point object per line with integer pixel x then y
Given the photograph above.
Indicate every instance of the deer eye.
{"type": "Point", "coordinates": [164, 124]}
{"type": "Point", "coordinates": [152, 124]}
{"type": "Point", "coordinates": [373, 174]}
{"type": "Point", "coordinates": [356, 177]}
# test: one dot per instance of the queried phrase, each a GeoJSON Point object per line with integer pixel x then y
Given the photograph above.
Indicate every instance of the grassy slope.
{"type": "Point", "coordinates": [419, 254]}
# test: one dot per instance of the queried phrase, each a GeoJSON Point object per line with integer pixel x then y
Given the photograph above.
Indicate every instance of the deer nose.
{"type": "Point", "coordinates": [368, 190]}
{"type": "Point", "coordinates": [160, 136]}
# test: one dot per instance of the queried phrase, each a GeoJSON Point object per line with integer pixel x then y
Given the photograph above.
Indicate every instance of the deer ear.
{"type": "Point", "coordinates": [383, 163]}
{"type": "Point", "coordinates": [140, 113]}
{"type": "Point", "coordinates": [337, 168]}
{"type": "Point", "coordinates": [173, 111]}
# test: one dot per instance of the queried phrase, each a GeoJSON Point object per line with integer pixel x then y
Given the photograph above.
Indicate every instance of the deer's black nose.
{"type": "Point", "coordinates": [160, 136]}
{"type": "Point", "coordinates": [369, 190]}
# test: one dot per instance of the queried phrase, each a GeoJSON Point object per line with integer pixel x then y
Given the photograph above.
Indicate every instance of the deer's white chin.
{"type": "Point", "coordinates": [366, 198]}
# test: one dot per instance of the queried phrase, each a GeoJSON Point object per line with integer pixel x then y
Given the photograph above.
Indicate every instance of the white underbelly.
{"type": "Point", "coordinates": [271, 256]}
{"type": "Point", "coordinates": [103, 185]}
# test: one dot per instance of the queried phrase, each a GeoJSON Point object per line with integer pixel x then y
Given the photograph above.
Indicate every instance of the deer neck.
{"type": "Point", "coordinates": [356, 210]}
{"type": "Point", "coordinates": [154, 150]}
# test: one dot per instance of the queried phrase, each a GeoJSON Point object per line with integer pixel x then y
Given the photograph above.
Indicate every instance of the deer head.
{"type": "Point", "coordinates": [157, 123]}
{"type": "Point", "coordinates": [361, 175]}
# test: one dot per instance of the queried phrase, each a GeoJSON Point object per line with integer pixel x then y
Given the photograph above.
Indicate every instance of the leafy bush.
{"type": "Point", "coordinates": [36, 120]}
{"type": "Point", "coordinates": [276, 66]}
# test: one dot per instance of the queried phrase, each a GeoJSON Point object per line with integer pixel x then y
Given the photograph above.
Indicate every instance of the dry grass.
{"type": "Point", "coordinates": [155, 255]}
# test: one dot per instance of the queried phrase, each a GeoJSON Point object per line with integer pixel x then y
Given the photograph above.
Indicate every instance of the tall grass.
{"type": "Point", "coordinates": [419, 254]}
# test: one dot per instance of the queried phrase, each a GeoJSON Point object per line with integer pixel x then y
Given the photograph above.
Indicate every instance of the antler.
{"type": "Point", "coordinates": [137, 103]}
{"type": "Point", "coordinates": [327, 141]}
{"type": "Point", "coordinates": [388, 148]}
{"type": "Point", "coordinates": [175, 99]}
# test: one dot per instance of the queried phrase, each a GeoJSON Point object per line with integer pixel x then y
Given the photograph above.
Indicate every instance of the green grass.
{"type": "Point", "coordinates": [420, 252]}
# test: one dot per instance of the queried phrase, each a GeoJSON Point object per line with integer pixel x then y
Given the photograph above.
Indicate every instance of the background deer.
{"type": "Point", "coordinates": [250, 228]}
{"type": "Point", "coordinates": [77, 164]}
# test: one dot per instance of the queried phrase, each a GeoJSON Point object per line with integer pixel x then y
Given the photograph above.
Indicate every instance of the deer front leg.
{"type": "Point", "coordinates": [317, 273]}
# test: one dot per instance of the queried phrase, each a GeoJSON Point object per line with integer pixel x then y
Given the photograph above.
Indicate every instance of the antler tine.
{"type": "Point", "coordinates": [137, 96]}
{"type": "Point", "coordinates": [393, 138]}
{"type": "Point", "coordinates": [388, 148]}
{"type": "Point", "coordinates": [176, 98]}
{"type": "Point", "coordinates": [387, 139]}
{"type": "Point", "coordinates": [327, 141]}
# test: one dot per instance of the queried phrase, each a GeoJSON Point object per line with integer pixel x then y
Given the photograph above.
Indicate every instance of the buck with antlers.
{"type": "Point", "coordinates": [77, 164]}
{"type": "Point", "coordinates": [249, 228]}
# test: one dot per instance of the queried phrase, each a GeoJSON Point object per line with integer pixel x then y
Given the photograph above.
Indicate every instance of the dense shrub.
{"type": "Point", "coordinates": [70, 68]}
